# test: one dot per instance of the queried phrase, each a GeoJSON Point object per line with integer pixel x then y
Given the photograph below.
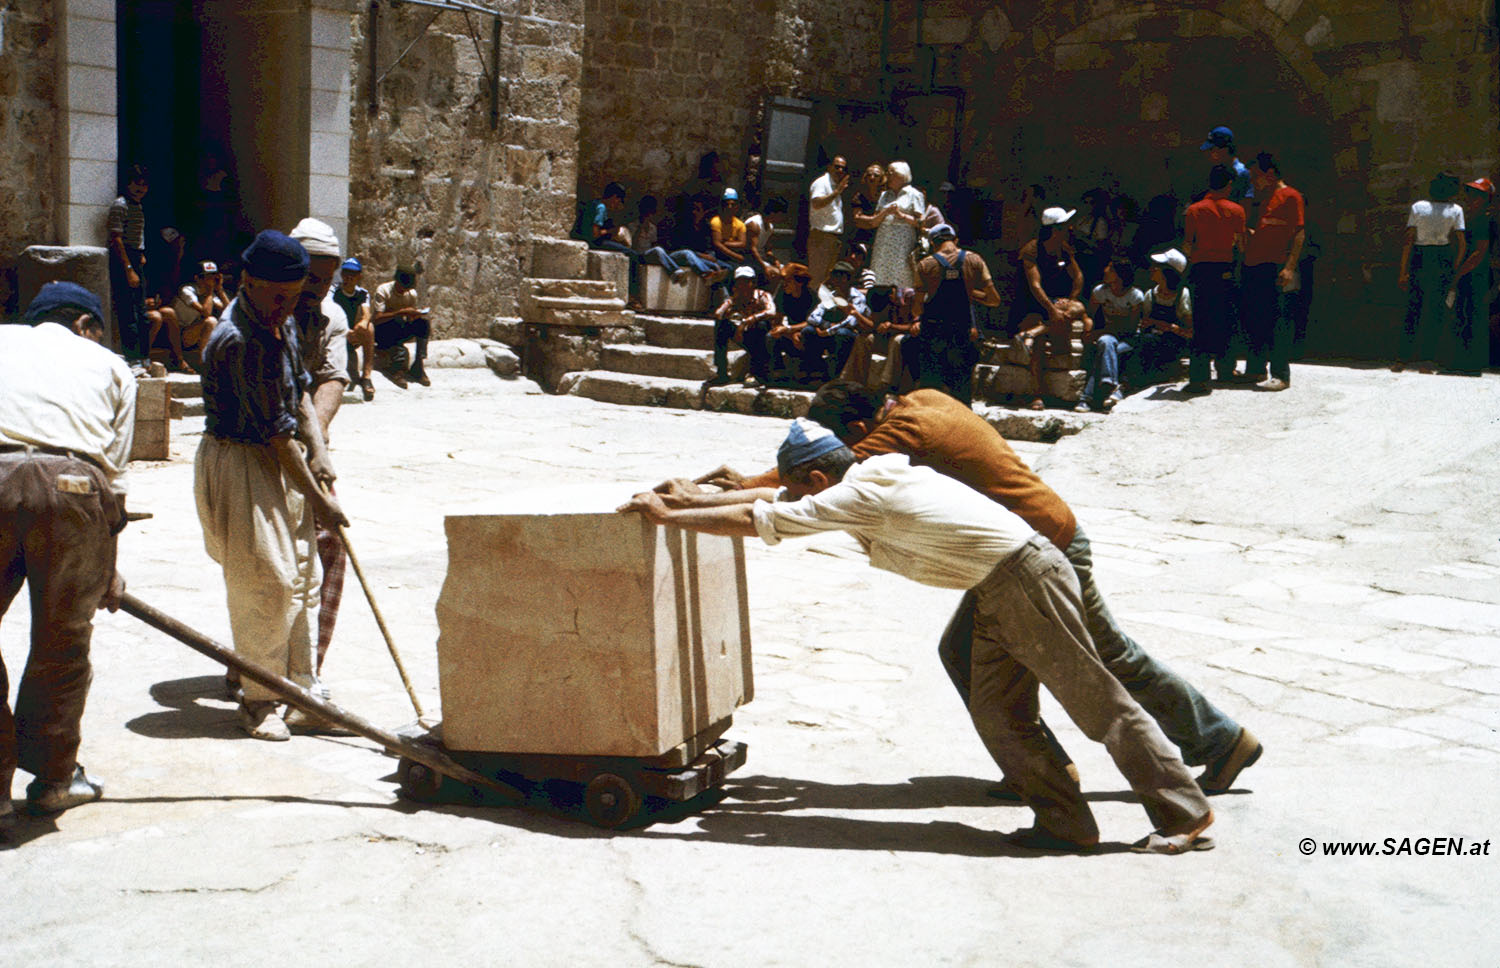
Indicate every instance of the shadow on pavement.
{"type": "Point", "coordinates": [186, 716]}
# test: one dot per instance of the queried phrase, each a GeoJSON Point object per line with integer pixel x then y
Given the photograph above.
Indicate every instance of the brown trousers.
{"type": "Point", "coordinates": [57, 522]}
{"type": "Point", "coordinates": [1024, 625]}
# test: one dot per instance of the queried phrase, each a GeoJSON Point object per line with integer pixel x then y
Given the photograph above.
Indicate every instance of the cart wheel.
{"type": "Point", "coordinates": [419, 782]}
{"type": "Point", "coordinates": [610, 800]}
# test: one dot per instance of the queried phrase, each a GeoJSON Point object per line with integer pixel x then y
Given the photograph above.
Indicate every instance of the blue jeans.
{"type": "Point", "coordinates": [1193, 724]}
{"type": "Point", "coordinates": [1102, 359]}
{"type": "Point", "coordinates": [672, 261]}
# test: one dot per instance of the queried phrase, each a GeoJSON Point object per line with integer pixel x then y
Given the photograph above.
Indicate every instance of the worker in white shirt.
{"type": "Point", "coordinates": [1025, 611]}
{"type": "Point", "coordinates": [67, 417]}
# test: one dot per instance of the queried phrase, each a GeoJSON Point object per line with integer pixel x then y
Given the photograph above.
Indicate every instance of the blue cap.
{"type": "Point", "coordinates": [941, 231]}
{"type": "Point", "coordinates": [730, 195]}
{"type": "Point", "coordinates": [60, 295]}
{"type": "Point", "coordinates": [804, 442]}
{"type": "Point", "coordinates": [352, 265]}
{"type": "Point", "coordinates": [275, 257]}
{"type": "Point", "coordinates": [1220, 137]}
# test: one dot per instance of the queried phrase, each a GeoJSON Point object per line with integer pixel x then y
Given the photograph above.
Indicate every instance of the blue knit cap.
{"type": "Point", "coordinates": [60, 295]}
{"type": "Point", "coordinates": [804, 442]}
{"type": "Point", "coordinates": [275, 257]}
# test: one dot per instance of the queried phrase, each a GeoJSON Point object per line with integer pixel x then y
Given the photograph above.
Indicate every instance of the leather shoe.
{"type": "Point", "coordinates": [43, 798]}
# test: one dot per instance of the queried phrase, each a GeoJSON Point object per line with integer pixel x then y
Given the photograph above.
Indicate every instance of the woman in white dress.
{"type": "Point", "coordinates": [898, 214]}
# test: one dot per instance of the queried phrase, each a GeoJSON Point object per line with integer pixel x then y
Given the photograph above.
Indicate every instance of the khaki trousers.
{"type": "Point", "coordinates": [1028, 628]}
{"type": "Point", "coordinates": [260, 530]}
{"type": "Point", "coordinates": [823, 250]}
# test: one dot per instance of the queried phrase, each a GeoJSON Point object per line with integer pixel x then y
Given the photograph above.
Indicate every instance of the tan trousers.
{"type": "Point", "coordinates": [823, 250]}
{"type": "Point", "coordinates": [260, 530]}
{"type": "Point", "coordinates": [1028, 627]}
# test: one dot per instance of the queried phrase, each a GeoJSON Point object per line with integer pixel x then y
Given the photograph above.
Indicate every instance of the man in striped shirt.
{"type": "Point", "coordinates": [126, 225]}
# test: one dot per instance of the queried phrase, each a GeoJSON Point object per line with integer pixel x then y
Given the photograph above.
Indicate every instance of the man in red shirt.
{"type": "Point", "coordinates": [1270, 273]}
{"type": "Point", "coordinates": [1215, 229]}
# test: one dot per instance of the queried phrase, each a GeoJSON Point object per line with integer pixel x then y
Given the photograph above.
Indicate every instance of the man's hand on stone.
{"type": "Point", "coordinates": [648, 503]}
{"type": "Point", "coordinates": [677, 492]}
{"type": "Point", "coordinates": [723, 476]}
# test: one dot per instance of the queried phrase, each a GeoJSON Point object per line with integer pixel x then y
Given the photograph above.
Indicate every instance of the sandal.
{"type": "Point", "coordinates": [182, 366]}
{"type": "Point", "coordinates": [1189, 837]}
{"type": "Point", "coordinates": [367, 388]}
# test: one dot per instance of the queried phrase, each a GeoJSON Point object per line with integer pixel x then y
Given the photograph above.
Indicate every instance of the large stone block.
{"type": "Point", "coordinates": [661, 293]}
{"type": "Point", "coordinates": [153, 421]}
{"type": "Point", "coordinates": [558, 259]}
{"type": "Point", "coordinates": [589, 634]}
{"type": "Point", "coordinates": [611, 266]}
{"type": "Point", "coordinates": [87, 265]}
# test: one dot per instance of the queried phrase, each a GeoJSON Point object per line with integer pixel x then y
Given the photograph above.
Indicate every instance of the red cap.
{"type": "Point", "coordinates": [1484, 185]}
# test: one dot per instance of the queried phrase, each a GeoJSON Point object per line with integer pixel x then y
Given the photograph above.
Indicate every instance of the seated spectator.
{"type": "Point", "coordinates": [858, 256]}
{"type": "Point", "coordinates": [398, 319]}
{"type": "Point", "coordinates": [1116, 308]}
{"type": "Point", "coordinates": [1051, 337]}
{"type": "Point", "coordinates": [758, 231]}
{"type": "Point", "coordinates": [643, 231]}
{"type": "Point", "coordinates": [354, 300]}
{"type": "Point", "coordinates": [691, 242]}
{"type": "Point", "coordinates": [794, 303]}
{"type": "Point", "coordinates": [901, 366]}
{"type": "Point", "coordinates": [728, 232]}
{"type": "Point", "coordinates": [832, 327]}
{"type": "Point", "coordinates": [162, 318]}
{"type": "Point", "coordinates": [745, 317]}
{"type": "Point", "coordinates": [603, 234]}
{"type": "Point", "coordinates": [1166, 323]}
{"type": "Point", "coordinates": [199, 304]}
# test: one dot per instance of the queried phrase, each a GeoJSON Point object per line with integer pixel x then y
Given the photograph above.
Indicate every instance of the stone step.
{"type": "Point", "coordinates": [579, 316]}
{"type": "Point", "coordinates": [678, 332]}
{"type": "Point", "coordinates": [1018, 355]}
{"type": "Point", "coordinates": [571, 288]}
{"type": "Point", "coordinates": [550, 309]}
{"type": "Point", "coordinates": [1006, 380]}
{"type": "Point", "coordinates": [659, 391]}
{"type": "Point", "coordinates": [680, 364]}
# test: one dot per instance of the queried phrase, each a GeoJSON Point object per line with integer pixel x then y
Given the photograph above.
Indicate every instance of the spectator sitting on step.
{"type": "Point", "coordinates": [1166, 323]}
{"type": "Point", "coordinates": [832, 327]}
{"type": "Point", "coordinates": [1052, 337]}
{"type": "Point", "coordinates": [758, 231]}
{"type": "Point", "coordinates": [745, 317]}
{"type": "Point", "coordinates": [794, 303]}
{"type": "Point", "coordinates": [606, 236]}
{"type": "Point", "coordinates": [199, 304]}
{"type": "Point", "coordinates": [858, 256]}
{"type": "Point", "coordinates": [161, 318]}
{"type": "Point", "coordinates": [1116, 307]}
{"type": "Point", "coordinates": [728, 233]}
{"type": "Point", "coordinates": [354, 300]}
{"type": "Point", "coordinates": [691, 243]}
{"type": "Point", "coordinates": [397, 320]}
{"type": "Point", "coordinates": [644, 230]}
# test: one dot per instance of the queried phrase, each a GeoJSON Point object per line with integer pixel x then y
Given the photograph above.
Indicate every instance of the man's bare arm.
{"type": "Point", "coordinates": [732, 520]}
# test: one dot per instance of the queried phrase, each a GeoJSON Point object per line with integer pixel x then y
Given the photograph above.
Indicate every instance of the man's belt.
{"type": "Point", "coordinates": [7, 447]}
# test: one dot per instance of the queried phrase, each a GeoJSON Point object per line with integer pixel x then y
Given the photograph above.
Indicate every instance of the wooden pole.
{"type": "Point", "coordinates": [429, 756]}
{"type": "Point", "coordinates": [390, 643]}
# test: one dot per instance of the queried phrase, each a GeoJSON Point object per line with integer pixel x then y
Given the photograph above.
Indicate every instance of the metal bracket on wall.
{"type": "Point", "coordinates": [492, 72]}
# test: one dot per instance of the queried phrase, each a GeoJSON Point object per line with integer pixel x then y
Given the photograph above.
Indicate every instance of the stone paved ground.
{"type": "Point", "coordinates": [1323, 563]}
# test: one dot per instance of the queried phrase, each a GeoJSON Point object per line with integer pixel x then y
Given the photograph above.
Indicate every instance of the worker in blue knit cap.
{"type": "Point", "coordinates": [1022, 609]}
{"type": "Point", "coordinates": [258, 473]}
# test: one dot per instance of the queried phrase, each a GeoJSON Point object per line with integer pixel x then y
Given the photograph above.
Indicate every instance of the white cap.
{"type": "Point", "coordinates": [1172, 258]}
{"type": "Point", "coordinates": [745, 272]}
{"type": "Point", "coordinates": [317, 237]}
{"type": "Point", "coordinates": [1057, 215]}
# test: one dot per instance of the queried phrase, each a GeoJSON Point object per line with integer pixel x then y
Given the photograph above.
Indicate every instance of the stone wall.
{"type": "Point", "coordinates": [431, 182]}
{"type": "Point", "coordinates": [28, 133]}
{"type": "Point", "coordinates": [1362, 100]}
{"type": "Point", "coordinates": [665, 81]}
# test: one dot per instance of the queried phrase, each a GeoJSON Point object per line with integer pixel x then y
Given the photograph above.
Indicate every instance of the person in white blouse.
{"type": "Point", "coordinates": [898, 216]}
{"type": "Point", "coordinates": [1434, 245]}
{"type": "Point", "coordinates": [1024, 614]}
